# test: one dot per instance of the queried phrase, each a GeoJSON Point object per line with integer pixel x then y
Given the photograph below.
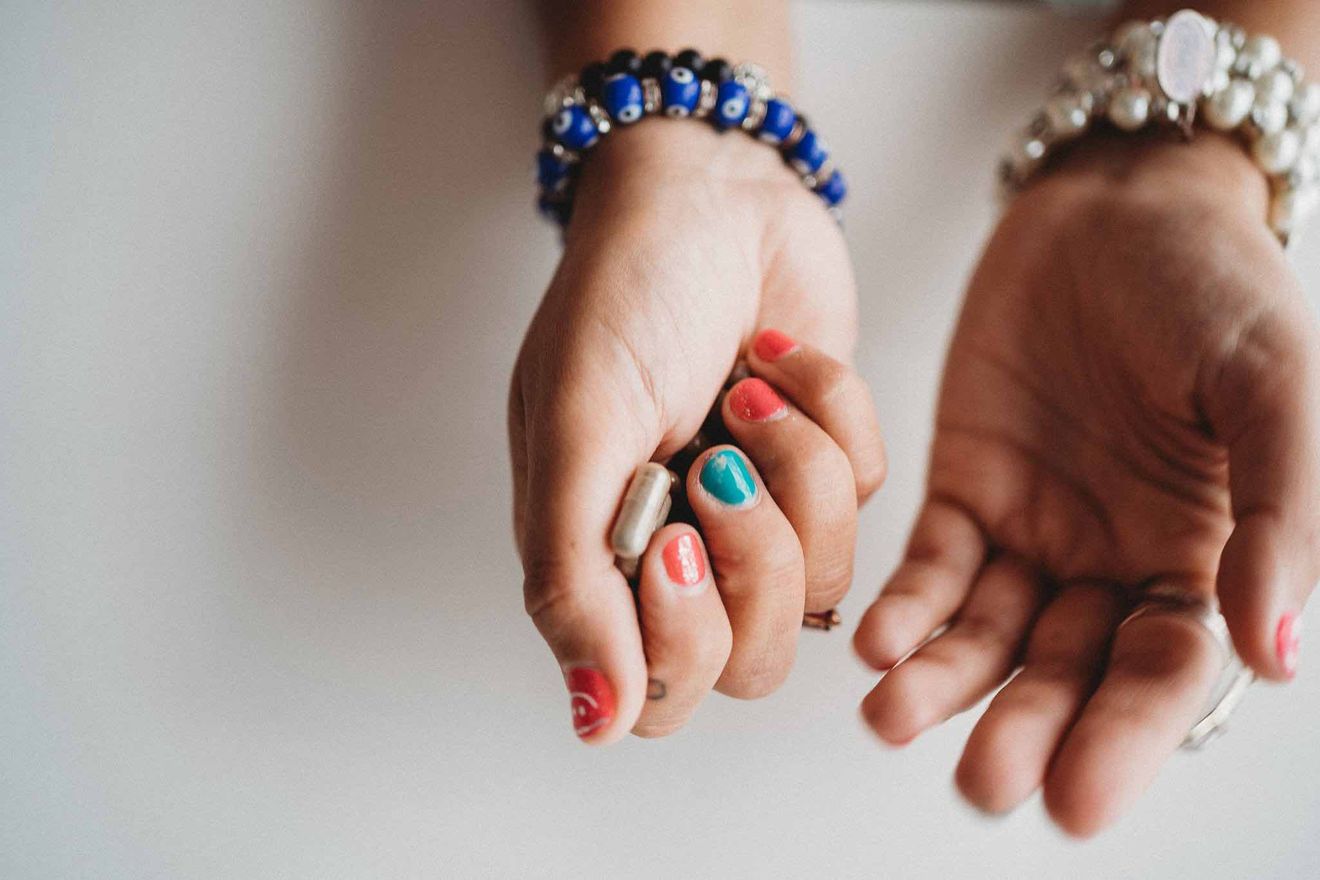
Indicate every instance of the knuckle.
{"type": "Point", "coordinates": [655, 728]}
{"type": "Point", "coordinates": [870, 474]}
{"type": "Point", "coordinates": [829, 382]}
{"type": "Point", "coordinates": [546, 589]}
{"type": "Point", "coordinates": [830, 577]}
{"type": "Point", "coordinates": [754, 675]}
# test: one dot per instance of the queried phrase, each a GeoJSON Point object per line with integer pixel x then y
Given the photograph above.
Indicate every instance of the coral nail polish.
{"type": "Point", "coordinates": [753, 400]}
{"type": "Point", "coordinates": [726, 476]}
{"type": "Point", "coordinates": [685, 562]}
{"type": "Point", "coordinates": [1288, 642]}
{"type": "Point", "coordinates": [591, 699]}
{"type": "Point", "coordinates": [771, 345]}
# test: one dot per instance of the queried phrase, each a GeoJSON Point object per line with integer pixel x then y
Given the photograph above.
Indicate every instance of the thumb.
{"type": "Point", "coordinates": [582, 605]}
{"type": "Point", "coordinates": [1266, 409]}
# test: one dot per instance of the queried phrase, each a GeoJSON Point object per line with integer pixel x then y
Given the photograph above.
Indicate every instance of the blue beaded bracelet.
{"type": "Point", "coordinates": [583, 108]}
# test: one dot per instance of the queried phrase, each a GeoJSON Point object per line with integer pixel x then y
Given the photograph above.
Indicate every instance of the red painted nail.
{"type": "Point", "coordinates": [753, 400]}
{"type": "Point", "coordinates": [771, 345]}
{"type": "Point", "coordinates": [591, 699]}
{"type": "Point", "coordinates": [684, 560]}
{"type": "Point", "coordinates": [1288, 642]}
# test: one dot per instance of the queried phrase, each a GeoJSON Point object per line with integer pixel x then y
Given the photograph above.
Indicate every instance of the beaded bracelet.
{"type": "Point", "coordinates": [624, 90]}
{"type": "Point", "coordinates": [1162, 72]}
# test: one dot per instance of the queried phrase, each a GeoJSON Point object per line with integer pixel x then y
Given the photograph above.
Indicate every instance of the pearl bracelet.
{"type": "Point", "coordinates": [583, 108]}
{"type": "Point", "coordinates": [1160, 73]}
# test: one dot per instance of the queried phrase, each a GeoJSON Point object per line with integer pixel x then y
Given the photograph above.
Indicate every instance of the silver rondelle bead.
{"type": "Point", "coordinates": [1225, 110]}
{"type": "Point", "coordinates": [1066, 115]}
{"type": "Point", "coordinates": [1277, 153]}
{"type": "Point", "coordinates": [1129, 108]}
{"type": "Point", "coordinates": [1026, 156]}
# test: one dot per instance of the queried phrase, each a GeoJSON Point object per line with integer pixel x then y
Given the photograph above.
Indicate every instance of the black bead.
{"type": "Point", "coordinates": [717, 70]}
{"type": "Point", "coordinates": [591, 79]}
{"type": "Point", "coordinates": [689, 58]}
{"type": "Point", "coordinates": [548, 129]}
{"type": "Point", "coordinates": [656, 64]}
{"type": "Point", "coordinates": [624, 61]}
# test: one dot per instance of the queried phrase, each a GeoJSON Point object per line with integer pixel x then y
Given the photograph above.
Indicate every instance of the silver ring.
{"type": "Point", "coordinates": [1234, 676]}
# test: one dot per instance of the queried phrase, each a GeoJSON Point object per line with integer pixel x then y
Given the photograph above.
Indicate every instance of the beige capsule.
{"type": "Point", "coordinates": [645, 506]}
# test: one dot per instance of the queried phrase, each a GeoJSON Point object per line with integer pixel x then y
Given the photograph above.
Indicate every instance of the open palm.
{"type": "Point", "coordinates": [1129, 401]}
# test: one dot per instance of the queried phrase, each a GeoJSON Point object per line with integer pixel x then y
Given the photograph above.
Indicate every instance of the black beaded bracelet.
{"type": "Point", "coordinates": [627, 88]}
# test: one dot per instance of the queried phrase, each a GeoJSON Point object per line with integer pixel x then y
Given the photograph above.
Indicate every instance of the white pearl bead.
{"type": "Point", "coordinates": [1275, 85]}
{"type": "Point", "coordinates": [1291, 207]}
{"type": "Point", "coordinates": [1225, 55]}
{"type": "Point", "coordinates": [1278, 153]}
{"type": "Point", "coordinates": [1306, 104]}
{"type": "Point", "coordinates": [1066, 116]}
{"type": "Point", "coordinates": [1307, 169]}
{"type": "Point", "coordinates": [1269, 116]}
{"type": "Point", "coordinates": [1311, 143]}
{"type": "Point", "coordinates": [1137, 43]}
{"type": "Point", "coordinates": [1226, 109]}
{"type": "Point", "coordinates": [1129, 108]}
{"type": "Point", "coordinates": [1261, 53]}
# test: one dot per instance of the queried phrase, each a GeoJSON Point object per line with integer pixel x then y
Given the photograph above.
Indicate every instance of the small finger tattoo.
{"type": "Point", "coordinates": [655, 689]}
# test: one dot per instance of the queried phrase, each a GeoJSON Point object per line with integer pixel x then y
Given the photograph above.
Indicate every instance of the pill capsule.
{"type": "Point", "coordinates": [645, 506]}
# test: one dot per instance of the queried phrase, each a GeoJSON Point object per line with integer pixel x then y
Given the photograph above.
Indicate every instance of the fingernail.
{"type": "Point", "coordinates": [685, 563]}
{"type": "Point", "coordinates": [591, 699]}
{"type": "Point", "coordinates": [1288, 642]}
{"type": "Point", "coordinates": [753, 400]}
{"type": "Point", "coordinates": [771, 345]}
{"type": "Point", "coordinates": [726, 476]}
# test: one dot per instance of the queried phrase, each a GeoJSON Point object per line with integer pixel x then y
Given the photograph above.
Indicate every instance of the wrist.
{"type": "Point", "coordinates": [676, 169]}
{"type": "Point", "coordinates": [1210, 168]}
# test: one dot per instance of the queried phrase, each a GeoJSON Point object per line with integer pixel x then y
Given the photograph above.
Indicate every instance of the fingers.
{"type": "Point", "coordinates": [832, 395]}
{"type": "Point", "coordinates": [944, 553]}
{"type": "Point", "coordinates": [955, 670]}
{"type": "Point", "coordinates": [684, 627]}
{"type": "Point", "coordinates": [579, 601]}
{"type": "Point", "coordinates": [1160, 675]}
{"type": "Point", "coordinates": [1266, 407]}
{"type": "Point", "coordinates": [1010, 749]}
{"type": "Point", "coordinates": [810, 479]}
{"type": "Point", "coordinates": [759, 569]}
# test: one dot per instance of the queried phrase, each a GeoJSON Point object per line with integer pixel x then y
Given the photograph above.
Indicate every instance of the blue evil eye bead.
{"type": "Point", "coordinates": [731, 104]}
{"type": "Point", "coordinates": [778, 122]}
{"type": "Point", "coordinates": [574, 128]}
{"type": "Point", "coordinates": [551, 171]}
{"type": "Point", "coordinates": [808, 154]}
{"type": "Point", "coordinates": [680, 92]}
{"type": "Point", "coordinates": [833, 190]}
{"type": "Point", "coordinates": [622, 98]}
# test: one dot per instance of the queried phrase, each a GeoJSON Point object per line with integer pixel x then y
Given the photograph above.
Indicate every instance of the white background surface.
{"type": "Point", "coordinates": [263, 270]}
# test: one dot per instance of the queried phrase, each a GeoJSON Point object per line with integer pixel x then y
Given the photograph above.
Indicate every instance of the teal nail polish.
{"type": "Point", "coordinates": [725, 475]}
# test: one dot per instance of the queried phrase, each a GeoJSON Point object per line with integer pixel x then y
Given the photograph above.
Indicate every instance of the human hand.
{"type": "Point", "coordinates": [683, 244]}
{"type": "Point", "coordinates": [1130, 398]}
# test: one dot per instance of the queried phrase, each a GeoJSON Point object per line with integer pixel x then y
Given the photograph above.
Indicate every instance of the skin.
{"type": "Point", "coordinates": [1131, 397]}
{"type": "Point", "coordinates": [684, 244]}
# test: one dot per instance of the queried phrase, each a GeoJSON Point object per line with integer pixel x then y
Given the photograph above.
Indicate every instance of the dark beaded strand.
{"type": "Point", "coordinates": [625, 88]}
{"type": "Point", "coordinates": [656, 64]}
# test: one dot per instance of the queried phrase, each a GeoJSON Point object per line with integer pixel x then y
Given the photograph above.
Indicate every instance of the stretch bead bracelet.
{"type": "Point", "coordinates": [1161, 73]}
{"type": "Point", "coordinates": [582, 109]}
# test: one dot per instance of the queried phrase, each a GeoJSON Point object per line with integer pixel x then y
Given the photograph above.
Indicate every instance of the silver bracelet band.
{"type": "Point", "coordinates": [1172, 72]}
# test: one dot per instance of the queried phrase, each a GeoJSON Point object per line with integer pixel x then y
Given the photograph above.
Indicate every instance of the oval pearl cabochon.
{"type": "Point", "coordinates": [1186, 59]}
